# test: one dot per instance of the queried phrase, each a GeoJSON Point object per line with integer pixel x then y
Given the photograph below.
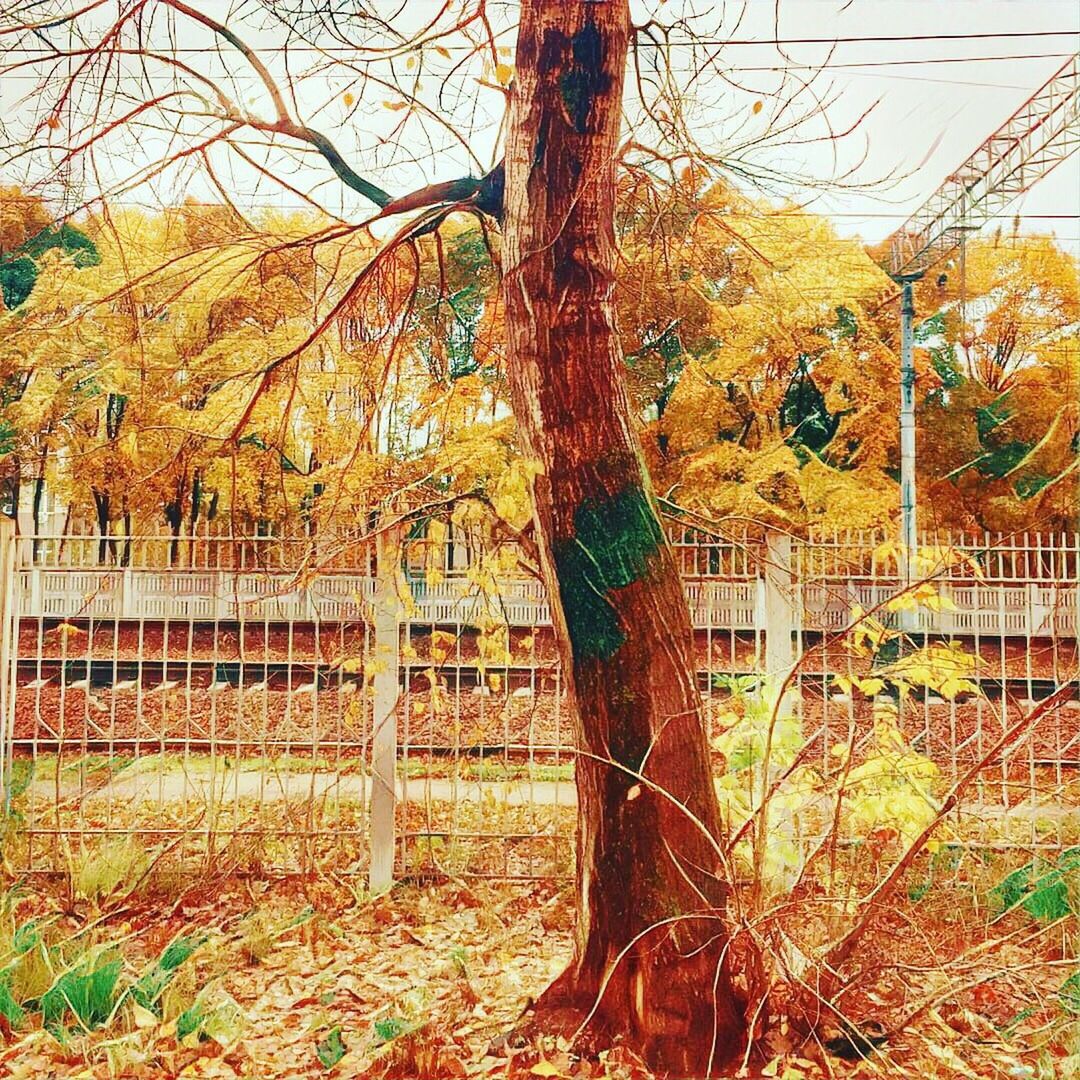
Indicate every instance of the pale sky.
{"type": "Point", "coordinates": [936, 100]}
{"type": "Point", "coordinates": [933, 115]}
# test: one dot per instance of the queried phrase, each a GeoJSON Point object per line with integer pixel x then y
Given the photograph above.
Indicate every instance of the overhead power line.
{"type": "Point", "coordinates": [739, 68]}
{"type": "Point", "coordinates": [679, 42]}
{"type": "Point", "coordinates": [830, 66]}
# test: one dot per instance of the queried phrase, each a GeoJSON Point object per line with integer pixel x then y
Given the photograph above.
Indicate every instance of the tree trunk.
{"type": "Point", "coordinates": [101, 503]}
{"type": "Point", "coordinates": [125, 558]}
{"type": "Point", "coordinates": [651, 943]}
{"type": "Point", "coordinates": [174, 515]}
{"type": "Point", "coordinates": [196, 506]}
{"type": "Point", "coordinates": [39, 497]}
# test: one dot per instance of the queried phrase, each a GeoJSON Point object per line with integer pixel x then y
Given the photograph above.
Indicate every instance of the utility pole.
{"type": "Point", "coordinates": [908, 523]}
{"type": "Point", "coordinates": [1041, 134]}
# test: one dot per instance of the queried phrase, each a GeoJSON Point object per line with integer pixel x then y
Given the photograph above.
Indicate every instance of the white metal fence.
{"type": "Point", "coordinates": [259, 703]}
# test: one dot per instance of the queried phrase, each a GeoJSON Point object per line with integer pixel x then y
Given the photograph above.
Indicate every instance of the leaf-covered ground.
{"type": "Point", "coordinates": [315, 980]}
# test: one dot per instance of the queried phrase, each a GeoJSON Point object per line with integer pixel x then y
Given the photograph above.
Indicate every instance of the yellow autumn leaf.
{"type": "Point", "coordinates": [143, 1017]}
{"type": "Point", "coordinates": [436, 533]}
{"type": "Point", "coordinates": [504, 73]}
{"type": "Point", "coordinates": [545, 1068]}
{"type": "Point", "coordinates": [951, 1060]}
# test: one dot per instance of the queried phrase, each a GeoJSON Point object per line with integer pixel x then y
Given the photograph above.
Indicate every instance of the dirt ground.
{"type": "Point", "coordinates": [424, 982]}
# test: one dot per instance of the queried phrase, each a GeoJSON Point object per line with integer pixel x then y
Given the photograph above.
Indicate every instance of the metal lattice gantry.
{"type": "Point", "coordinates": [1041, 134]}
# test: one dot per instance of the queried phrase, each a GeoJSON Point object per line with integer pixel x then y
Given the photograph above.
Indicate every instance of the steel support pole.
{"type": "Point", "coordinates": [908, 524]}
{"type": "Point", "coordinates": [386, 661]}
{"type": "Point", "coordinates": [9, 649]}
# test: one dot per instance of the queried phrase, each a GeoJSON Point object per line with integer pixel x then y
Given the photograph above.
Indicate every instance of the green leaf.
{"type": "Point", "coordinates": [1049, 899]}
{"type": "Point", "coordinates": [152, 983]}
{"type": "Point", "coordinates": [804, 416]}
{"type": "Point", "coordinates": [87, 991]}
{"type": "Point", "coordinates": [391, 1028]}
{"type": "Point", "coordinates": [948, 371]}
{"type": "Point", "coordinates": [1027, 487]}
{"type": "Point", "coordinates": [70, 240]}
{"type": "Point", "coordinates": [919, 890]}
{"type": "Point", "coordinates": [10, 1009]}
{"type": "Point", "coordinates": [223, 1023]}
{"type": "Point", "coordinates": [304, 916]}
{"type": "Point", "coordinates": [189, 1021]}
{"type": "Point", "coordinates": [993, 415]}
{"type": "Point", "coordinates": [460, 959]}
{"type": "Point", "coordinates": [1040, 888]}
{"type": "Point", "coordinates": [330, 1048]}
{"type": "Point", "coordinates": [929, 328]}
{"type": "Point", "coordinates": [218, 1018]}
{"type": "Point", "coordinates": [1010, 890]}
{"type": "Point", "coordinates": [847, 325]}
{"type": "Point", "coordinates": [1004, 459]}
{"type": "Point", "coordinates": [26, 937]}
{"type": "Point", "coordinates": [743, 757]}
{"type": "Point", "coordinates": [176, 952]}
{"type": "Point", "coordinates": [17, 279]}
{"type": "Point", "coordinates": [1069, 994]}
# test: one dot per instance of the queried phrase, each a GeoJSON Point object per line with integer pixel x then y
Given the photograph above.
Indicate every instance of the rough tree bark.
{"type": "Point", "coordinates": [624, 627]}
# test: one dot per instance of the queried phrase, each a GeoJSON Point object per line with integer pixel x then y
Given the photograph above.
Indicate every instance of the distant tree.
{"type": "Point", "coordinates": [999, 443]}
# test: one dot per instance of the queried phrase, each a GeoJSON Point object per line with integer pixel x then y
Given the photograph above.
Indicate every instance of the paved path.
{"type": "Point", "coordinates": [135, 785]}
{"type": "Point", "coordinates": [146, 783]}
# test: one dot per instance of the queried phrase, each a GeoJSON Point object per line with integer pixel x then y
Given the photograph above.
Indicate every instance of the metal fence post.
{"type": "Point", "coordinates": [37, 602]}
{"type": "Point", "coordinates": [386, 659]}
{"type": "Point", "coordinates": [778, 602]}
{"type": "Point", "coordinates": [8, 651]}
{"type": "Point", "coordinates": [127, 593]}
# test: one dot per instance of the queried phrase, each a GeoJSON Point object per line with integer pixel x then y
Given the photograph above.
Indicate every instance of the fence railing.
{"type": "Point", "coordinates": [701, 552]}
{"type": "Point", "coordinates": [216, 702]}
{"type": "Point", "coordinates": [1001, 607]}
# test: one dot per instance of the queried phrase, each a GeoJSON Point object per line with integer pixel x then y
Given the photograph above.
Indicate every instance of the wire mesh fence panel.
{"type": "Point", "coordinates": [214, 696]}
{"type": "Point", "coordinates": [994, 621]}
{"type": "Point", "coordinates": [485, 737]}
{"type": "Point", "coordinates": [216, 716]}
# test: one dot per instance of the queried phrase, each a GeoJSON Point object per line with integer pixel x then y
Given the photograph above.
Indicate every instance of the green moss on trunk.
{"type": "Point", "coordinates": [614, 539]}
